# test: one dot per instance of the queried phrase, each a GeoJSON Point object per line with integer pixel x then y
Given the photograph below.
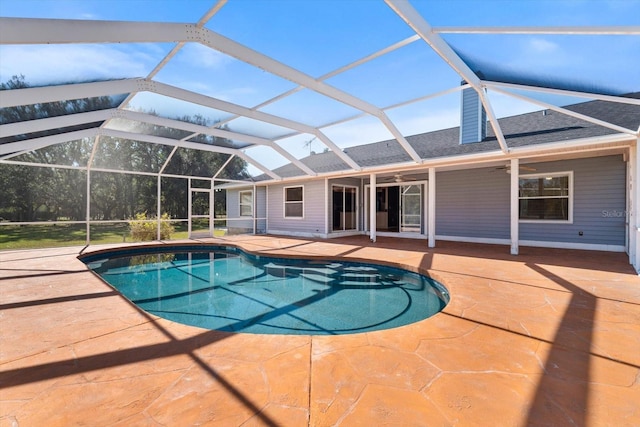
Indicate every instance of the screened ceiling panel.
{"type": "Point", "coordinates": [72, 63]}
{"type": "Point", "coordinates": [362, 130]}
{"type": "Point", "coordinates": [134, 126]}
{"type": "Point", "coordinates": [296, 32]}
{"type": "Point", "coordinates": [130, 155]}
{"type": "Point", "coordinates": [197, 163]}
{"type": "Point", "coordinates": [302, 145]}
{"type": "Point", "coordinates": [551, 60]}
{"type": "Point", "coordinates": [177, 109]}
{"type": "Point", "coordinates": [528, 13]}
{"type": "Point", "coordinates": [273, 82]}
{"type": "Point", "coordinates": [65, 107]}
{"type": "Point", "coordinates": [261, 152]}
{"type": "Point", "coordinates": [135, 10]}
{"type": "Point", "coordinates": [309, 107]}
{"type": "Point", "coordinates": [204, 70]}
{"type": "Point", "coordinates": [218, 141]}
{"type": "Point", "coordinates": [72, 153]}
{"type": "Point", "coordinates": [436, 113]}
{"type": "Point", "coordinates": [257, 128]}
{"type": "Point", "coordinates": [398, 76]}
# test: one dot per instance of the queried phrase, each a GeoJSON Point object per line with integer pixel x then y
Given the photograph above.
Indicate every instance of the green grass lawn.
{"type": "Point", "coordinates": [56, 235]}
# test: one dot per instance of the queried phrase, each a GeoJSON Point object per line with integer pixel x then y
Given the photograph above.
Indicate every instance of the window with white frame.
{"type": "Point", "coordinates": [246, 203]}
{"type": "Point", "coordinates": [546, 197]}
{"type": "Point", "coordinates": [293, 202]}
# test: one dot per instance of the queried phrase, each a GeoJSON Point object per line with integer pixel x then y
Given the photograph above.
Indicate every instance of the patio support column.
{"type": "Point", "coordinates": [88, 214]}
{"type": "Point", "coordinates": [515, 206]}
{"type": "Point", "coordinates": [159, 207]}
{"type": "Point", "coordinates": [431, 208]}
{"type": "Point", "coordinates": [329, 204]}
{"type": "Point", "coordinates": [372, 207]}
{"type": "Point", "coordinates": [633, 213]}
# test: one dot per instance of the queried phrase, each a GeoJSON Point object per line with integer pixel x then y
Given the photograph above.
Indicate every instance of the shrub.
{"type": "Point", "coordinates": [144, 227]}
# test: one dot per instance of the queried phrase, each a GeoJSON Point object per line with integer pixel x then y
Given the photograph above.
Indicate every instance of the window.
{"type": "Point", "coordinates": [546, 197]}
{"type": "Point", "coordinates": [293, 202]}
{"type": "Point", "coordinates": [246, 203]}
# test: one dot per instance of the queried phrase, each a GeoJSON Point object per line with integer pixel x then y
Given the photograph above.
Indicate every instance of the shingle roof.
{"type": "Point", "coordinates": [520, 130]}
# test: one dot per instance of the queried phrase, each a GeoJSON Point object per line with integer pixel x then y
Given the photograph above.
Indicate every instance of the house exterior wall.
{"type": "Point", "coordinates": [473, 203]}
{"type": "Point", "coordinates": [599, 203]}
{"type": "Point", "coordinates": [235, 223]}
{"type": "Point", "coordinates": [314, 211]}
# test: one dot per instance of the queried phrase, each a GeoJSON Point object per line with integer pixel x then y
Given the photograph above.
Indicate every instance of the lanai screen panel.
{"type": "Point", "coordinates": [280, 76]}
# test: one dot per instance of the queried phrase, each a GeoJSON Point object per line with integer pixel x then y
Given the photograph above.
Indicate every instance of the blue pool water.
{"type": "Point", "coordinates": [227, 289]}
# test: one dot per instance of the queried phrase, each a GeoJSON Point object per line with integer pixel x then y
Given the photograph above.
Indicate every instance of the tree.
{"type": "Point", "coordinates": [61, 193]}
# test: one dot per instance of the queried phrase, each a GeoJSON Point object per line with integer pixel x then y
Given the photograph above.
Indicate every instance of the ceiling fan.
{"type": "Point", "coordinates": [398, 178]}
{"type": "Point", "coordinates": [507, 168]}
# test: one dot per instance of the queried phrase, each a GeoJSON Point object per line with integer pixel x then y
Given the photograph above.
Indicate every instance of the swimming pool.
{"type": "Point", "coordinates": [227, 289]}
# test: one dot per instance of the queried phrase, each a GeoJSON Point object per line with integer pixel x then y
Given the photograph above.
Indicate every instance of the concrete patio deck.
{"type": "Point", "coordinates": [549, 337]}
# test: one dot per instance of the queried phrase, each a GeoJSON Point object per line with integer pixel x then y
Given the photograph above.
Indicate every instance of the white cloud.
{"type": "Point", "coordinates": [541, 54]}
{"type": "Point", "coordinates": [68, 63]}
{"type": "Point", "coordinates": [202, 56]}
{"type": "Point", "coordinates": [542, 46]}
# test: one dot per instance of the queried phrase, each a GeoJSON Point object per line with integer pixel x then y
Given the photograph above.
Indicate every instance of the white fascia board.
{"type": "Point", "coordinates": [579, 145]}
{"type": "Point", "coordinates": [186, 144]}
{"type": "Point", "coordinates": [567, 112]}
{"type": "Point", "coordinates": [405, 11]}
{"type": "Point", "coordinates": [62, 31]}
{"type": "Point", "coordinates": [586, 95]}
{"type": "Point", "coordinates": [37, 95]}
{"type": "Point", "coordinates": [594, 144]}
{"type": "Point", "coordinates": [36, 143]}
{"type": "Point", "coordinates": [569, 30]}
{"type": "Point", "coordinates": [39, 125]}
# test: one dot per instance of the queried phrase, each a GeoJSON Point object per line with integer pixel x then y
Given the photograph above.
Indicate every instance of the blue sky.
{"type": "Point", "coordinates": [317, 37]}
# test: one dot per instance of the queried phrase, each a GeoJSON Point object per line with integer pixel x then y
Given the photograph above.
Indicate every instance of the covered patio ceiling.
{"type": "Point", "coordinates": [274, 94]}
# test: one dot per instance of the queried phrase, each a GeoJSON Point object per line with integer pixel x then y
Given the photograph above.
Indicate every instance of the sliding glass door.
{"type": "Point", "coordinates": [411, 208]}
{"type": "Point", "coordinates": [345, 215]}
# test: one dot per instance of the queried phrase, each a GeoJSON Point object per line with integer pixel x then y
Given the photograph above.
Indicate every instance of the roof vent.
{"type": "Point", "coordinates": [473, 117]}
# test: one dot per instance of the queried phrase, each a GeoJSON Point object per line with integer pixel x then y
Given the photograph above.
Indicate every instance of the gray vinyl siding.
{"type": "Point", "coordinates": [315, 209]}
{"type": "Point", "coordinates": [599, 185]}
{"type": "Point", "coordinates": [473, 203]}
{"type": "Point", "coordinates": [235, 223]}
{"type": "Point", "coordinates": [473, 118]}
